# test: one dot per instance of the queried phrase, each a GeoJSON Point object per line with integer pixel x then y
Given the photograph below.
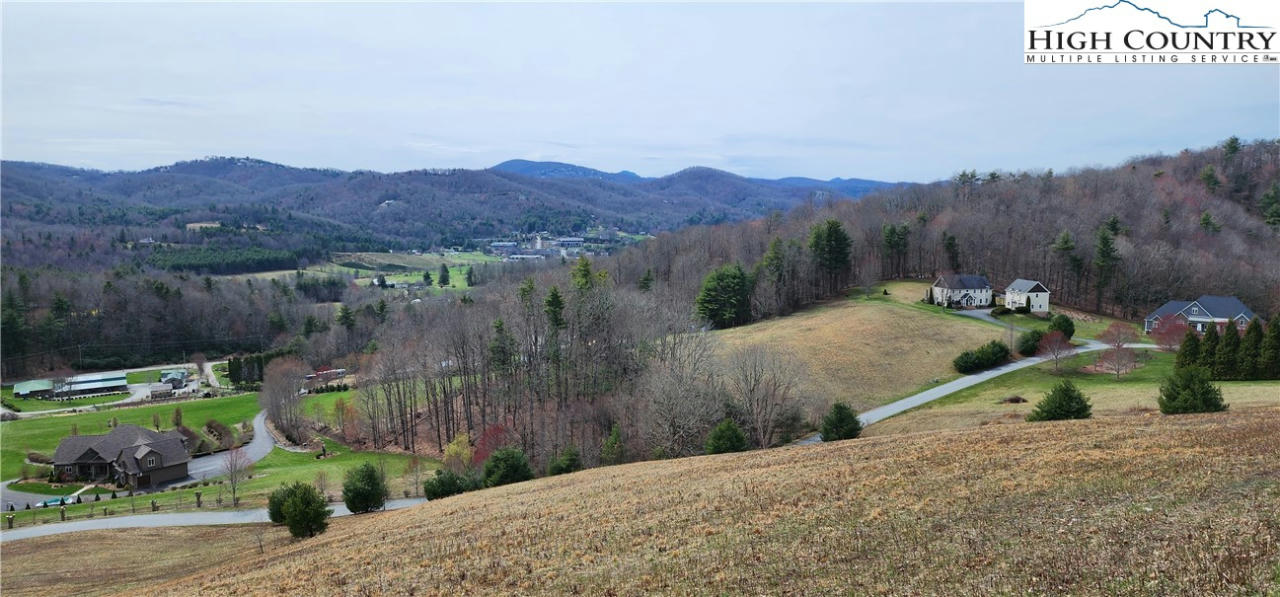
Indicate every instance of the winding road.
{"type": "Point", "coordinates": [180, 519]}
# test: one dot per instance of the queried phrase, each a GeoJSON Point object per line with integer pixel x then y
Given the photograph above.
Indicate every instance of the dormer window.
{"type": "Point", "coordinates": [151, 461]}
{"type": "Point", "coordinates": [1195, 310]}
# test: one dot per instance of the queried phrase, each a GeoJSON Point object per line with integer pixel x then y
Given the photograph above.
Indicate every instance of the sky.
{"type": "Point", "coordinates": [891, 91]}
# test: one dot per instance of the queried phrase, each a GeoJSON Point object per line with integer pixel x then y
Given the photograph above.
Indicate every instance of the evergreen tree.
{"type": "Point", "coordinates": [305, 512]}
{"type": "Point", "coordinates": [646, 281]}
{"type": "Point", "coordinates": [1189, 351]}
{"type": "Point", "coordinates": [1189, 391]}
{"type": "Point", "coordinates": [470, 276]}
{"type": "Point", "coordinates": [506, 465]}
{"type": "Point", "coordinates": [952, 247]}
{"type": "Point", "coordinates": [442, 278]}
{"type": "Point", "coordinates": [1269, 356]}
{"type": "Point", "coordinates": [567, 461]}
{"type": "Point", "coordinates": [1209, 348]}
{"type": "Point", "coordinates": [1250, 355]}
{"type": "Point", "coordinates": [1228, 351]}
{"type": "Point", "coordinates": [1113, 225]}
{"type": "Point", "coordinates": [553, 306]}
{"type": "Point", "coordinates": [1231, 147]}
{"type": "Point", "coordinates": [364, 489]}
{"type": "Point", "coordinates": [1208, 224]}
{"type": "Point", "coordinates": [1105, 260]}
{"type": "Point", "coordinates": [426, 278]}
{"type": "Point", "coordinates": [725, 298]}
{"type": "Point", "coordinates": [840, 423]}
{"type": "Point", "coordinates": [725, 438]}
{"type": "Point", "coordinates": [1269, 205]}
{"type": "Point", "coordinates": [583, 278]}
{"type": "Point", "coordinates": [1209, 176]}
{"type": "Point", "coordinates": [1063, 324]}
{"type": "Point", "coordinates": [830, 246]}
{"type": "Point", "coordinates": [612, 451]}
{"type": "Point", "coordinates": [346, 317]}
{"type": "Point", "coordinates": [1064, 401]}
{"type": "Point", "coordinates": [380, 311]}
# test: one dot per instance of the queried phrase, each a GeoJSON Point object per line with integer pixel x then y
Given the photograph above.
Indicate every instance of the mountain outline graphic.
{"type": "Point", "coordinates": [1116, 4]}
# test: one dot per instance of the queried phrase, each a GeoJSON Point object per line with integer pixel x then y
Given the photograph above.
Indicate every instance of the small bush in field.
{"type": "Point", "coordinates": [1188, 391]}
{"type": "Point", "coordinates": [1029, 343]}
{"type": "Point", "coordinates": [726, 437]}
{"type": "Point", "coordinates": [567, 461]}
{"type": "Point", "coordinates": [447, 483]}
{"type": "Point", "coordinates": [364, 489]}
{"type": "Point", "coordinates": [507, 465]}
{"type": "Point", "coordinates": [840, 423]}
{"type": "Point", "coordinates": [1064, 401]}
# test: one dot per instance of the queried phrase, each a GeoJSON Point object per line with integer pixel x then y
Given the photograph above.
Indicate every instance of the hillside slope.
{"type": "Point", "coordinates": [1141, 505]}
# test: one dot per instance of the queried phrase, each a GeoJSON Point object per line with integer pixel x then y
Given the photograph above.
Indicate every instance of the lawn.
{"type": "Point", "coordinates": [1087, 325]}
{"type": "Point", "coordinates": [36, 404]}
{"type": "Point", "coordinates": [323, 403]}
{"type": "Point", "coordinates": [221, 372]}
{"type": "Point", "coordinates": [43, 434]}
{"type": "Point", "coordinates": [1134, 392]}
{"type": "Point", "coordinates": [868, 352]}
{"type": "Point", "coordinates": [1118, 506]}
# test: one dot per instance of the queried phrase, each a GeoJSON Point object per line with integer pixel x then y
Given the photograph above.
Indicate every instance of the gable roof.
{"type": "Point", "coordinates": [109, 446]}
{"type": "Point", "coordinates": [963, 282]}
{"type": "Point", "coordinates": [1224, 307]}
{"type": "Point", "coordinates": [1169, 308]}
{"type": "Point", "coordinates": [1021, 285]}
{"type": "Point", "coordinates": [170, 450]}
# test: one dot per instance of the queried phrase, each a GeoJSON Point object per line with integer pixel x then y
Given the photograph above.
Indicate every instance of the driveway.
{"type": "Point", "coordinates": [207, 467]}
{"type": "Point", "coordinates": [175, 519]}
{"type": "Point", "coordinates": [893, 408]}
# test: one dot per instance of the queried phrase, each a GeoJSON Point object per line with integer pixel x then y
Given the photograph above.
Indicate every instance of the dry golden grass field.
{"type": "Point", "coordinates": [868, 352]}
{"type": "Point", "coordinates": [1131, 505]}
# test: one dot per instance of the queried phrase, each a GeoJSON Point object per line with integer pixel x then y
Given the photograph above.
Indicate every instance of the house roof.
{"type": "Point", "coordinates": [170, 450]}
{"type": "Point", "coordinates": [1216, 307]}
{"type": "Point", "coordinates": [1021, 285]}
{"type": "Point", "coordinates": [109, 446]}
{"type": "Point", "coordinates": [963, 282]}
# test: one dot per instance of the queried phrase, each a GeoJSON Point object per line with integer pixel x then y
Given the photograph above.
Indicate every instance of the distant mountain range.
{"type": "Point", "coordinates": [413, 208]}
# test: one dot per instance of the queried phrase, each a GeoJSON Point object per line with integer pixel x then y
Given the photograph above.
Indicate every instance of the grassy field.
{"type": "Point", "coordinates": [1134, 393]}
{"type": "Point", "coordinates": [27, 570]}
{"type": "Point", "coordinates": [36, 405]}
{"type": "Point", "coordinates": [397, 267]}
{"type": "Point", "coordinates": [43, 434]}
{"type": "Point", "coordinates": [1087, 325]}
{"type": "Point", "coordinates": [1117, 506]}
{"type": "Point", "coordinates": [148, 376]}
{"type": "Point", "coordinates": [869, 351]}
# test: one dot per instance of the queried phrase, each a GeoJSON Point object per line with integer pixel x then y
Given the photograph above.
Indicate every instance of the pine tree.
{"type": "Point", "coordinates": [346, 317]}
{"type": "Point", "coordinates": [304, 512]}
{"type": "Point", "coordinates": [1189, 391]}
{"type": "Point", "coordinates": [1269, 359]}
{"type": "Point", "coordinates": [470, 276]}
{"type": "Point", "coordinates": [1224, 359]}
{"type": "Point", "coordinates": [840, 423]}
{"type": "Point", "coordinates": [612, 451]}
{"type": "Point", "coordinates": [725, 298]}
{"type": "Point", "coordinates": [442, 278]}
{"type": "Point", "coordinates": [1063, 324]}
{"type": "Point", "coordinates": [1209, 176]}
{"type": "Point", "coordinates": [725, 438]}
{"type": "Point", "coordinates": [646, 281]}
{"type": "Point", "coordinates": [1247, 364]}
{"type": "Point", "coordinates": [1209, 347]}
{"type": "Point", "coordinates": [364, 489]}
{"type": "Point", "coordinates": [830, 246]}
{"type": "Point", "coordinates": [553, 306]}
{"type": "Point", "coordinates": [426, 278]}
{"type": "Point", "coordinates": [1231, 147]}
{"type": "Point", "coordinates": [1105, 260]}
{"type": "Point", "coordinates": [1064, 401]}
{"type": "Point", "coordinates": [1189, 351]}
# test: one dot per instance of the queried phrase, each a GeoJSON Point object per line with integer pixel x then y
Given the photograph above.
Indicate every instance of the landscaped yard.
{"type": "Point", "coordinates": [43, 434]}
{"type": "Point", "coordinates": [1134, 392]}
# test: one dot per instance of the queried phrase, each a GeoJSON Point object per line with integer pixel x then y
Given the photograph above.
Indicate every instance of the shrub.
{"type": "Point", "coordinates": [305, 512]}
{"type": "Point", "coordinates": [840, 423]}
{"type": "Point", "coordinates": [1063, 324]}
{"type": "Point", "coordinates": [1188, 391]}
{"type": "Point", "coordinates": [275, 503]}
{"type": "Point", "coordinates": [39, 458]}
{"type": "Point", "coordinates": [1064, 401]}
{"type": "Point", "coordinates": [990, 355]}
{"type": "Point", "coordinates": [447, 483]}
{"type": "Point", "coordinates": [998, 311]}
{"type": "Point", "coordinates": [364, 490]}
{"type": "Point", "coordinates": [1029, 343]}
{"type": "Point", "coordinates": [567, 461]}
{"type": "Point", "coordinates": [506, 465]}
{"type": "Point", "coordinates": [726, 437]}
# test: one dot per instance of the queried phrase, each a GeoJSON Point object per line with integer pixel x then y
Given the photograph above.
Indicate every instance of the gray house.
{"type": "Point", "coordinates": [960, 291]}
{"type": "Point", "coordinates": [1199, 314]}
{"type": "Point", "coordinates": [130, 455]}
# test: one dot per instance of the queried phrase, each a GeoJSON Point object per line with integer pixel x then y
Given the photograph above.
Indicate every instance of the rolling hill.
{"type": "Point", "coordinates": [1118, 506]}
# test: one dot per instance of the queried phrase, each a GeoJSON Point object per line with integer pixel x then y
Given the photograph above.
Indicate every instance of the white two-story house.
{"type": "Point", "coordinates": [1027, 293]}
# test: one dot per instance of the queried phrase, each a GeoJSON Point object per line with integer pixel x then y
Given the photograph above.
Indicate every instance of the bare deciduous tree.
{"type": "Point", "coordinates": [1118, 357]}
{"type": "Point", "coordinates": [1055, 345]}
{"type": "Point", "coordinates": [281, 396]}
{"type": "Point", "coordinates": [236, 465]}
{"type": "Point", "coordinates": [762, 383]}
{"type": "Point", "coordinates": [680, 394]}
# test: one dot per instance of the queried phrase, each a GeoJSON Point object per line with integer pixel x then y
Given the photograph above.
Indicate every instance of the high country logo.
{"type": "Point", "coordinates": [1152, 32]}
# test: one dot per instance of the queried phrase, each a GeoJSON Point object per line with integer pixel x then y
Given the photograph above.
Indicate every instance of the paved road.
{"type": "Point", "coordinates": [893, 408]}
{"type": "Point", "coordinates": [205, 467]}
{"type": "Point", "coordinates": [176, 519]}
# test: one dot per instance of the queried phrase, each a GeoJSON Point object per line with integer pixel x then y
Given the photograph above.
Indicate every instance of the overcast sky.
{"type": "Point", "coordinates": [903, 91]}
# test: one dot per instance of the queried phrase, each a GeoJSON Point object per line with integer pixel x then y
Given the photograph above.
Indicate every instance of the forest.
{"type": "Point", "coordinates": [549, 356]}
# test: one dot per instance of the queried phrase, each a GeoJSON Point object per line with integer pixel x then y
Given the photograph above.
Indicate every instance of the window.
{"type": "Point", "coordinates": [151, 461]}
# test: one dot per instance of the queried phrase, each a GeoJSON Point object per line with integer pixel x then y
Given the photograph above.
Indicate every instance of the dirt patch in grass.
{"type": "Point", "coordinates": [1117, 506]}
{"type": "Point", "coordinates": [105, 562]}
{"type": "Point", "coordinates": [867, 352]}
